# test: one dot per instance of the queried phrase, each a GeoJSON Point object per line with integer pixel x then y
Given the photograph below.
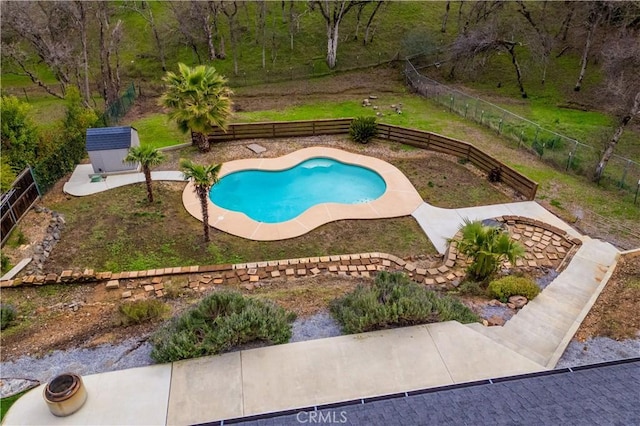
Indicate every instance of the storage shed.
{"type": "Point", "coordinates": [108, 146]}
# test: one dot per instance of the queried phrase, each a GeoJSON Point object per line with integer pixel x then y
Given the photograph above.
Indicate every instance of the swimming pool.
{"type": "Point", "coordinates": [274, 196]}
{"type": "Point", "coordinates": [400, 198]}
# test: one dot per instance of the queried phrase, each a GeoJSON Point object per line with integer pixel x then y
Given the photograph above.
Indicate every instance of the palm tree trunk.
{"type": "Point", "coordinates": [202, 194]}
{"type": "Point", "coordinates": [202, 142]}
{"type": "Point", "coordinates": [147, 178]}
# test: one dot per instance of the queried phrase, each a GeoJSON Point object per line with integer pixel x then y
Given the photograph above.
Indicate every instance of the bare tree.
{"type": "Point", "coordinates": [446, 16]}
{"type": "Point", "coordinates": [333, 11]}
{"type": "Point", "coordinates": [110, 38]}
{"type": "Point", "coordinates": [621, 64]}
{"type": "Point", "coordinates": [544, 42]}
{"type": "Point", "coordinates": [482, 42]}
{"type": "Point", "coordinates": [230, 10]}
{"type": "Point", "coordinates": [593, 20]}
{"type": "Point", "coordinates": [367, 31]}
{"type": "Point", "coordinates": [188, 22]}
{"type": "Point", "coordinates": [43, 28]}
{"type": "Point", "coordinates": [144, 10]}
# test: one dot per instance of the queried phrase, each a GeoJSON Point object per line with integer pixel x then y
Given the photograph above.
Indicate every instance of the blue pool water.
{"type": "Point", "coordinates": [278, 196]}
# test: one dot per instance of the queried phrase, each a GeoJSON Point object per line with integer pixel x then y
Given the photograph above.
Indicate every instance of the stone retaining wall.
{"type": "Point", "coordinates": [546, 247]}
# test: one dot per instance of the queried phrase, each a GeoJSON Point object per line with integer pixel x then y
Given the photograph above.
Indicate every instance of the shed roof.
{"type": "Point", "coordinates": [105, 138]}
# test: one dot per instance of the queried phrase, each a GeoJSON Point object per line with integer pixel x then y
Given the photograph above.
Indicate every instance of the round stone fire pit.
{"type": "Point", "coordinates": [65, 394]}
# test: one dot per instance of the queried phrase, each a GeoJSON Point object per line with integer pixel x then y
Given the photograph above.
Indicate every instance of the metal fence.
{"type": "Point", "coordinates": [114, 112]}
{"type": "Point", "coordinates": [563, 152]}
{"type": "Point", "coordinates": [17, 201]}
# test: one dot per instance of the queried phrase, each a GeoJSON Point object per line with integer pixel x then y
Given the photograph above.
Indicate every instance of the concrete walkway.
{"type": "Point", "coordinates": [440, 224]}
{"type": "Point", "coordinates": [80, 183]}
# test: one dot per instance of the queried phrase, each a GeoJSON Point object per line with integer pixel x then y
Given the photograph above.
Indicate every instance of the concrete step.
{"type": "Point", "coordinates": [597, 251]}
{"type": "Point", "coordinates": [550, 312]}
{"type": "Point", "coordinates": [504, 338]}
{"type": "Point", "coordinates": [545, 328]}
{"type": "Point", "coordinates": [568, 294]}
{"type": "Point", "coordinates": [570, 307]}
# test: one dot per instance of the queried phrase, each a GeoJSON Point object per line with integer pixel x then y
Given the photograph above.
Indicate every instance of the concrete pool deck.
{"type": "Point", "coordinates": [399, 199]}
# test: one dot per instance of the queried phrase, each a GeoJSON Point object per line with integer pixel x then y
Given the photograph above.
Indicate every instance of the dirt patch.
{"type": "Point", "coordinates": [615, 313]}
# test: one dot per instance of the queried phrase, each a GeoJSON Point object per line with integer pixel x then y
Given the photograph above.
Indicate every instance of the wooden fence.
{"type": "Point", "coordinates": [460, 149]}
{"type": "Point", "coordinates": [417, 138]}
{"type": "Point", "coordinates": [281, 129]}
{"type": "Point", "coordinates": [17, 201]}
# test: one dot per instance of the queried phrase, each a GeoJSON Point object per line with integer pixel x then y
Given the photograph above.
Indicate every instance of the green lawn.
{"type": "Point", "coordinates": [6, 403]}
{"type": "Point", "coordinates": [158, 131]}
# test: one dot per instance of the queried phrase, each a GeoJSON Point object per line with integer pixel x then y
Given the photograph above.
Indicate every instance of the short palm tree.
{"type": "Point", "coordinates": [487, 246]}
{"type": "Point", "coordinates": [148, 157]}
{"type": "Point", "coordinates": [203, 178]}
{"type": "Point", "coordinates": [198, 100]}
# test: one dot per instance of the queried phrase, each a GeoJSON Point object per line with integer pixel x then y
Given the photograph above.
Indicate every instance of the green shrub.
{"type": "Point", "coordinates": [219, 322]}
{"type": "Point", "coordinates": [7, 316]}
{"type": "Point", "coordinates": [5, 263]}
{"type": "Point", "coordinates": [394, 301]}
{"type": "Point", "coordinates": [508, 286]}
{"type": "Point", "coordinates": [363, 129]}
{"type": "Point", "coordinates": [140, 311]}
{"type": "Point", "coordinates": [472, 288]}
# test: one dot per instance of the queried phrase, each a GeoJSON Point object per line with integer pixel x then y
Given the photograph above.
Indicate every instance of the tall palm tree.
{"type": "Point", "coordinates": [203, 178]}
{"type": "Point", "coordinates": [198, 100]}
{"type": "Point", "coordinates": [487, 246]}
{"type": "Point", "coordinates": [148, 157]}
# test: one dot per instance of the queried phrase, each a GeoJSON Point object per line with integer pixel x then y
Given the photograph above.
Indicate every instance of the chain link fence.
{"type": "Point", "coordinates": [114, 112]}
{"type": "Point", "coordinates": [561, 151]}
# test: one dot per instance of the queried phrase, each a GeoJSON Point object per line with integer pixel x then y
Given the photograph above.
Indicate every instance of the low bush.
{"type": "Point", "coordinates": [7, 316]}
{"type": "Point", "coordinates": [139, 311]}
{"type": "Point", "coordinates": [395, 301]}
{"type": "Point", "coordinates": [363, 129]}
{"type": "Point", "coordinates": [472, 288]}
{"type": "Point", "coordinates": [508, 286]}
{"type": "Point", "coordinates": [219, 322]}
{"type": "Point", "coordinates": [5, 263]}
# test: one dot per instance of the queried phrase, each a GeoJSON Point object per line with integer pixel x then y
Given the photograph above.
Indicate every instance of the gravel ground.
{"type": "Point", "coordinates": [135, 353]}
{"type": "Point", "coordinates": [22, 373]}
{"type": "Point", "coordinates": [598, 349]}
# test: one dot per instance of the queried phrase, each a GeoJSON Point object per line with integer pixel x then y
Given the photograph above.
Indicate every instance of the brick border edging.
{"type": "Point", "coordinates": [360, 264]}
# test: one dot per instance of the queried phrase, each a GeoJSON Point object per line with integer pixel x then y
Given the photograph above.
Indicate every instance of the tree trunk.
{"type": "Point", "coordinates": [204, 199]}
{"type": "Point", "coordinates": [368, 27]}
{"type": "Point", "coordinates": [585, 52]}
{"type": "Point", "coordinates": [147, 178]}
{"type": "Point", "coordinates": [202, 141]}
{"type": "Point", "coordinates": [332, 45]}
{"type": "Point", "coordinates": [510, 47]}
{"type": "Point", "coordinates": [608, 152]}
{"type": "Point", "coordinates": [358, 17]}
{"type": "Point", "coordinates": [564, 29]}
{"type": "Point", "coordinates": [445, 17]}
{"type": "Point", "coordinates": [82, 21]}
{"type": "Point", "coordinates": [231, 17]}
{"type": "Point", "coordinates": [207, 31]}
{"type": "Point", "coordinates": [262, 30]}
{"type": "Point", "coordinates": [156, 36]}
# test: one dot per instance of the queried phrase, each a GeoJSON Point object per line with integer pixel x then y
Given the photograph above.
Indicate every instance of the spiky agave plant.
{"type": "Point", "coordinates": [487, 246]}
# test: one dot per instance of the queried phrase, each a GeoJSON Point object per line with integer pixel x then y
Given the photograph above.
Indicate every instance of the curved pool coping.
{"type": "Point", "coordinates": [400, 198]}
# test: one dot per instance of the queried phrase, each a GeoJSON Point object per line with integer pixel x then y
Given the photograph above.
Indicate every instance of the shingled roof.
{"type": "Point", "coordinates": [105, 138]}
{"type": "Point", "coordinates": [597, 394]}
